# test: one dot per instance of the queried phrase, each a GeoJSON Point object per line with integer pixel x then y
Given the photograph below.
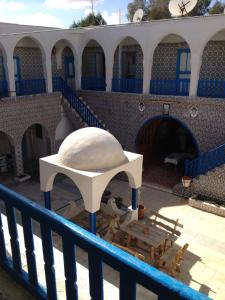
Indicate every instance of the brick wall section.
{"type": "Point", "coordinates": [120, 113]}
{"type": "Point", "coordinates": [19, 113]}
{"type": "Point", "coordinates": [165, 61]}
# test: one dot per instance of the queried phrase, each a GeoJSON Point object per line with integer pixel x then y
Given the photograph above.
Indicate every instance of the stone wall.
{"type": "Point", "coordinates": [19, 113]}
{"type": "Point", "coordinates": [165, 61]}
{"type": "Point", "coordinates": [120, 113]}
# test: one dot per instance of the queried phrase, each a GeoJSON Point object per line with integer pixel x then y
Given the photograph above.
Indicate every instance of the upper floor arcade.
{"type": "Point", "coordinates": [169, 57]}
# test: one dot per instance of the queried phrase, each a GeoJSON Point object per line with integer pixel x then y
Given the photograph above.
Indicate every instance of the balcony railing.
{"type": "Point", "coordinates": [211, 88]}
{"type": "Point", "coordinates": [93, 83]}
{"type": "Point", "coordinates": [3, 88]}
{"type": "Point", "coordinates": [178, 87]}
{"type": "Point", "coordinates": [124, 85]}
{"type": "Point", "coordinates": [131, 270]}
{"type": "Point", "coordinates": [30, 87]}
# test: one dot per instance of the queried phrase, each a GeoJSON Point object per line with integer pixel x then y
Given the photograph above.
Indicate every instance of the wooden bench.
{"type": "Point", "coordinates": [171, 260]}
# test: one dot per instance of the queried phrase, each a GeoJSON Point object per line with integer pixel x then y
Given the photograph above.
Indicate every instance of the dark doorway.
{"type": "Point", "coordinates": [165, 144]}
{"type": "Point", "coordinates": [7, 158]}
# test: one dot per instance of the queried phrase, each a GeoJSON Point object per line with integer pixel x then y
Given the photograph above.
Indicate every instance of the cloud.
{"type": "Point", "coordinates": [111, 19]}
{"type": "Point", "coordinates": [12, 5]}
{"type": "Point", "coordinates": [38, 19]}
{"type": "Point", "coordinates": [70, 4]}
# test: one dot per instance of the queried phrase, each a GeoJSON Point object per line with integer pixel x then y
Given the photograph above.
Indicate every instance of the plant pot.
{"type": "Point", "coordinates": [186, 181]}
{"type": "Point", "coordinates": [141, 212]}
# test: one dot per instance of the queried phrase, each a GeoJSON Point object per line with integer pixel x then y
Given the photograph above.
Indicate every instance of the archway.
{"type": "Point", "coordinates": [93, 67]}
{"type": "Point", "coordinates": [35, 144]}
{"type": "Point", "coordinates": [29, 76]}
{"type": "Point", "coordinates": [165, 143]}
{"type": "Point", "coordinates": [63, 64]}
{"type": "Point", "coordinates": [128, 67]}
{"type": "Point", "coordinates": [212, 73]}
{"type": "Point", "coordinates": [171, 67]}
{"type": "Point", "coordinates": [7, 157]}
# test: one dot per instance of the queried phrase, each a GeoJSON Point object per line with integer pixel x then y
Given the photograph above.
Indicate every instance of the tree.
{"type": "Point", "coordinates": [135, 5]}
{"type": "Point", "coordinates": [201, 9]}
{"type": "Point", "coordinates": [158, 9]}
{"type": "Point", "coordinates": [90, 20]}
{"type": "Point", "coordinates": [217, 8]}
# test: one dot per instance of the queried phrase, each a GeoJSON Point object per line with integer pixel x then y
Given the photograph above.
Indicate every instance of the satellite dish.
{"type": "Point", "coordinates": [138, 16]}
{"type": "Point", "coordinates": [179, 8]}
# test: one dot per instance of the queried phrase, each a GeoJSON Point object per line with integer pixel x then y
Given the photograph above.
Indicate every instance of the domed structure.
{"type": "Point", "coordinates": [91, 149]}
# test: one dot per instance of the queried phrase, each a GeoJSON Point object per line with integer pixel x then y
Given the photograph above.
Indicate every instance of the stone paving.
{"type": "Point", "coordinates": [204, 264]}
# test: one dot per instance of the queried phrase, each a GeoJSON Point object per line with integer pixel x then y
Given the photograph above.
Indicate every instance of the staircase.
{"type": "Point", "coordinates": [75, 107]}
{"type": "Point", "coordinates": [208, 173]}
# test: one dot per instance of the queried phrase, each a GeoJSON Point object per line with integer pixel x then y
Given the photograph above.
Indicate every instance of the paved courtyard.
{"type": "Point", "coordinates": [204, 264]}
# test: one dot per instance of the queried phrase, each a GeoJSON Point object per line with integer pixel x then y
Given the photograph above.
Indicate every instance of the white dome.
{"type": "Point", "coordinates": [91, 149]}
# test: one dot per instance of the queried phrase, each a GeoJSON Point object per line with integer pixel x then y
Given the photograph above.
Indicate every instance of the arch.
{"type": "Point", "coordinates": [93, 67]}
{"type": "Point", "coordinates": [128, 66]}
{"type": "Point", "coordinates": [123, 38]}
{"type": "Point", "coordinates": [90, 40]}
{"type": "Point", "coordinates": [171, 68]}
{"type": "Point", "coordinates": [165, 142]}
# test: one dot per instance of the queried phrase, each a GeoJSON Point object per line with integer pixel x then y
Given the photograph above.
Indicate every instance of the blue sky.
{"type": "Point", "coordinates": [59, 13]}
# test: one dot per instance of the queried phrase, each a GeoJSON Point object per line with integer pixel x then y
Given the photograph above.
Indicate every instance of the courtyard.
{"type": "Point", "coordinates": [204, 262]}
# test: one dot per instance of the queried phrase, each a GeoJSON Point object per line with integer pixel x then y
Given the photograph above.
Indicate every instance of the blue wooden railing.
{"type": "Point", "coordinates": [30, 87]}
{"type": "Point", "coordinates": [179, 87]}
{"type": "Point", "coordinates": [93, 83]}
{"type": "Point", "coordinates": [3, 88]}
{"type": "Point", "coordinates": [70, 95]}
{"type": "Point", "coordinates": [205, 162]}
{"type": "Point", "coordinates": [124, 85]}
{"type": "Point", "coordinates": [131, 270]}
{"type": "Point", "coordinates": [211, 88]}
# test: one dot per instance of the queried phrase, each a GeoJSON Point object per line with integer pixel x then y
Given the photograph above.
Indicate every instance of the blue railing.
{"type": "Point", "coordinates": [30, 87]}
{"type": "Point", "coordinates": [3, 88]}
{"type": "Point", "coordinates": [205, 162]}
{"type": "Point", "coordinates": [131, 270]}
{"type": "Point", "coordinates": [211, 88]}
{"type": "Point", "coordinates": [124, 85]}
{"type": "Point", "coordinates": [93, 83]}
{"type": "Point", "coordinates": [179, 87]}
{"type": "Point", "coordinates": [84, 112]}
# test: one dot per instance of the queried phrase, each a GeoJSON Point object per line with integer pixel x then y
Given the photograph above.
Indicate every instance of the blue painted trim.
{"type": "Point", "coordinates": [134, 199]}
{"type": "Point", "coordinates": [179, 53]}
{"type": "Point", "coordinates": [159, 117]}
{"type": "Point", "coordinates": [18, 75]}
{"type": "Point", "coordinates": [47, 198]}
{"type": "Point", "coordinates": [68, 60]}
{"type": "Point", "coordinates": [141, 273]}
{"type": "Point", "coordinates": [92, 222]}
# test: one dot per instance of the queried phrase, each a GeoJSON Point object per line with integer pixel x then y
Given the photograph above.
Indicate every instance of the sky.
{"type": "Point", "coordinates": [59, 13]}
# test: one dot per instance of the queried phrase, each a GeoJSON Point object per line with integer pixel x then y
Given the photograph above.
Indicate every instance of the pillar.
{"type": "Point", "coordinates": [48, 72]}
{"type": "Point", "coordinates": [47, 198]}
{"type": "Point", "coordinates": [196, 62]}
{"type": "Point", "coordinates": [147, 69]}
{"type": "Point", "coordinates": [109, 61]}
{"type": "Point", "coordinates": [134, 199]}
{"type": "Point", "coordinates": [92, 222]}
{"type": "Point", "coordinates": [10, 72]}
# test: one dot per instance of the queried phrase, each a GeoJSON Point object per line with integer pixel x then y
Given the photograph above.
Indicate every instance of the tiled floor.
{"type": "Point", "coordinates": [204, 265]}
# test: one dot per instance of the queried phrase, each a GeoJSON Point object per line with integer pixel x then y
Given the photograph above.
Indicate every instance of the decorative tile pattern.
{"type": "Point", "coordinates": [88, 62]}
{"type": "Point", "coordinates": [60, 72]}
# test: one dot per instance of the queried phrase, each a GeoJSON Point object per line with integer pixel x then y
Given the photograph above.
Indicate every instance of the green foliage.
{"type": "Point", "coordinates": [158, 9]}
{"type": "Point", "coordinates": [217, 8]}
{"type": "Point", "coordinates": [201, 9]}
{"type": "Point", "coordinates": [135, 5]}
{"type": "Point", "coordinates": [90, 20]}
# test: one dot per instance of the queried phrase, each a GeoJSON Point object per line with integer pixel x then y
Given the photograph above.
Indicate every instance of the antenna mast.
{"type": "Point", "coordinates": [92, 7]}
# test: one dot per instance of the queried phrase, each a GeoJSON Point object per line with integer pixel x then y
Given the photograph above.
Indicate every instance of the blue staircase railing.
{"type": "Point", "coordinates": [211, 88]}
{"type": "Point", "coordinates": [125, 85]}
{"type": "Point", "coordinates": [81, 108]}
{"type": "Point", "coordinates": [3, 88]}
{"type": "Point", "coordinates": [205, 162]}
{"type": "Point", "coordinates": [30, 87]}
{"type": "Point", "coordinates": [178, 87]}
{"type": "Point", "coordinates": [132, 271]}
{"type": "Point", "coordinates": [93, 83]}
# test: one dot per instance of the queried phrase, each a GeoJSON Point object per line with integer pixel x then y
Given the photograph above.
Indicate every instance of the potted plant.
{"type": "Point", "coordinates": [186, 181]}
{"type": "Point", "coordinates": [141, 211]}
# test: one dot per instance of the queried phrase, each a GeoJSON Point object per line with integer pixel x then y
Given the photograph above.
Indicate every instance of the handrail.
{"type": "Point", "coordinates": [127, 85]}
{"type": "Point", "coordinates": [211, 88]}
{"type": "Point", "coordinates": [205, 162]}
{"type": "Point", "coordinates": [81, 108]}
{"type": "Point", "coordinates": [30, 87]}
{"type": "Point", "coordinates": [179, 87]}
{"type": "Point", "coordinates": [131, 270]}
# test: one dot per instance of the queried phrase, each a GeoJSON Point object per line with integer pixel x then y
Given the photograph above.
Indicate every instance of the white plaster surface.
{"type": "Point", "coordinates": [91, 149]}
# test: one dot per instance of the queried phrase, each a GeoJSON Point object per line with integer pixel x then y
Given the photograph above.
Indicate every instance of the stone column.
{"type": "Point", "coordinates": [196, 62]}
{"type": "Point", "coordinates": [147, 69]}
{"type": "Point", "coordinates": [47, 64]}
{"type": "Point", "coordinates": [10, 72]}
{"type": "Point", "coordinates": [109, 60]}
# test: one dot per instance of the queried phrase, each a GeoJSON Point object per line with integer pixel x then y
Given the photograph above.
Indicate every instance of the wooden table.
{"type": "Point", "coordinates": [155, 238]}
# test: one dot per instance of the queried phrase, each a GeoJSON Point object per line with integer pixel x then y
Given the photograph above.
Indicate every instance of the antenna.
{"type": "Point", "coordinates": [138, 16]}
{"type": "Point", "coordinates": [179, 8]}
{"type": "Point", "coordinates": [92, 7]}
